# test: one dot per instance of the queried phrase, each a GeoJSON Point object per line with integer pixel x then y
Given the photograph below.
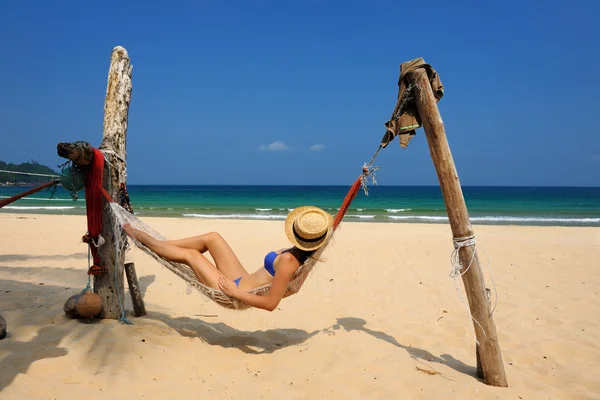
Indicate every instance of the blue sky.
{"type": "Point", "coordinates": [297, 92]}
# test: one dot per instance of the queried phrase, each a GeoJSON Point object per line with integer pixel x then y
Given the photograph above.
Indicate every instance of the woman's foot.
{"type": "Point", "coordinates": [132, 232]}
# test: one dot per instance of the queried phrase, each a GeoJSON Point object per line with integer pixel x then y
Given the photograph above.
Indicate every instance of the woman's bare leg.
{"type": "Point", "coordinates": [195, 242]}
{"type": "Point", "coordinates": [204, 270]}
{"type": "Point", "coordinates": [219, 249]}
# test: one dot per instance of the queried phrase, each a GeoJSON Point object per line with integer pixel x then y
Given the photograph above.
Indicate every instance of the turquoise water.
{"type": "Point", "coordinates": [423, 204]}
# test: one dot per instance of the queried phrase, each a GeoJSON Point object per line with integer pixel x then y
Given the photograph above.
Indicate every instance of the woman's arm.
{"type": "Point", "coordinates": [285, 270]}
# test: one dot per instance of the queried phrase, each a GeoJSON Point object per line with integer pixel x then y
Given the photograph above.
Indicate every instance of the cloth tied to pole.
{"type": "Point", "coordinates": [405, 118]}
{"type": "Point", "coordinates": [93, 198]}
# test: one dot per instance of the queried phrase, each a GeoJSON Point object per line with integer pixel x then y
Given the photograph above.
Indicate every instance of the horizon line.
{"type": "Point", "coordinates": [348, 185]}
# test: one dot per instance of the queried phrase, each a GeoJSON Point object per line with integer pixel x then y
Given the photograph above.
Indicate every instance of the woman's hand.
{"type": "Point", "coordinates": [228, 287]}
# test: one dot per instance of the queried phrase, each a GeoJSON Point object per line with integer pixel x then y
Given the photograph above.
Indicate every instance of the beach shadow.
{"type": "Point", "coordinates": [25, 257]}
{"type": "Point", "coordinates": [220, 334]}
{"type": "Point", "coordinates": [36, 327]}
{"type": "Point", "coordinates": [78, 276]}
{"type": "Point", "coordinates": [144, 282]}
{"type": "Point", "coordinates": [23, 354]}
{"type": "Point", "coordinates": [269, 341]}
{"type": "Point", "coordinates": [358, 324]}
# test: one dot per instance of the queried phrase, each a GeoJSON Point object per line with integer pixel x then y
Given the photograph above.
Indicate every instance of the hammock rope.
{"type": "Point", "coordinates": [16, 197]}
{"type": "Point", "coordinates": [28, 173]}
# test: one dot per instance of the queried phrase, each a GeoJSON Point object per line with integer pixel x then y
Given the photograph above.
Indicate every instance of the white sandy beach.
{"type": "Point", "coordinates": [382, 305]}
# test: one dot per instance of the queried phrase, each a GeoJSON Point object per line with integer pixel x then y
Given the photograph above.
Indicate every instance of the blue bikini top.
{"type": "Point", "coordinates": [270, 259]}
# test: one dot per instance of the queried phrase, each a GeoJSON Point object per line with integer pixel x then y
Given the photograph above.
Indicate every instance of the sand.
{"type": "Point", "coordinates": [382, 306]}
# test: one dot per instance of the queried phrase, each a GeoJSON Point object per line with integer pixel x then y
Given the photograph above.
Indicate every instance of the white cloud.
{"type": "Point", "coordinates": [275, 146]}
{"type": "Point", "coordinates": [316, 147]}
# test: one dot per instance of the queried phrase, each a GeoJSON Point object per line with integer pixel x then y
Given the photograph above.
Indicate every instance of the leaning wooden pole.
{"type": "Point", "coordinates": [110, 286]}
{"type": "Point", "coordinates": [489, 347]}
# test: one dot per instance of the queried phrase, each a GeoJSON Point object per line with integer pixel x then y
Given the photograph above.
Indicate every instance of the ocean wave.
{"type": "Point", "coordinates": [263, 209]}
{"type": "Point", "coordinates": [499, 219]}
{"type": "Point", "coordinates": [536, 219]}
{"type": "Point", "coordinates": [425, 217]}
{"type": "Point", "coordinates": [396, 210]}
{"type": "Point", "coordinates": [359, 216]}
{"type": "Point", "coordinates": [37, 198]}
{"type": "Point", "coordinates": [235, 216]}
{"type": "Point", "coordinates": [41, 207]}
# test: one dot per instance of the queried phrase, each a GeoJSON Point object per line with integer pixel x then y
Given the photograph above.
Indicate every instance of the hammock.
{"type": "Point", "coordinates": [121, 217]}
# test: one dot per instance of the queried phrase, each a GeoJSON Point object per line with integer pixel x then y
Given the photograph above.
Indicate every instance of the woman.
{"type": "Point", "coordinates": [307, 227]}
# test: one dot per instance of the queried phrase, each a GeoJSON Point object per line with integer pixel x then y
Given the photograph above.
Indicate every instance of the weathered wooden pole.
{"type": "Point", "coordinates": [489, 348]}
{"type": "Point", "coordinates": [477, 351]}
{"type": "Point", "coordinates": [110, 286]}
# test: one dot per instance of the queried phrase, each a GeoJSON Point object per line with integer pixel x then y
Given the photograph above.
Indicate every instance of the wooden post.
{"type": "Point", "coordinates": [116, 111]}
{"type": "Point", "coordinates": [134, 290]}
{"type": "Point", "coordinates": [2, 327]}
{"type": "Point", "coordinates": [489, 348]}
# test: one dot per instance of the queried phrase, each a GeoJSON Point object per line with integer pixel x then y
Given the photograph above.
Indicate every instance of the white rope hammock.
{"type": "Point", "coordinates": [122, 217]}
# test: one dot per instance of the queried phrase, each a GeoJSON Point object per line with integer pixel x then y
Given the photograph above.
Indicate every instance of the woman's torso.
{"type": "Point", "coordinates": [265, 274]}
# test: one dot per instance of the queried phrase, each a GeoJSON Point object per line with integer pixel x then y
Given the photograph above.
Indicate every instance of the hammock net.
{"type": "Point", "coordinates": [120, 217]}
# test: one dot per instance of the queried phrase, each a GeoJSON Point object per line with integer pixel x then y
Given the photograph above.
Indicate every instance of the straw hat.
{"type": "Point", "coordinates": [308, 227]}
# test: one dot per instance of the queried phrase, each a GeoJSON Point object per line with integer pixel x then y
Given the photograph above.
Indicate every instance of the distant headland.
{"type": "Point", "coordinates": [31, 167]}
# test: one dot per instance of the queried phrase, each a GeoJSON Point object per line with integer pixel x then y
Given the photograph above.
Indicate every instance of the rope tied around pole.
{"type": "Point", "coordinates": [457, 266]}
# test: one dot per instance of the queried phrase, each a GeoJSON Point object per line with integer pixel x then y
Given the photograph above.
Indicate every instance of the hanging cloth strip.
{"type": "Point", "coordinates": [93, 199]}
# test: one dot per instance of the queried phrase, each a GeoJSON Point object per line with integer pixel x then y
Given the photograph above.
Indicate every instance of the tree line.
{"type": "Point", "coordinates": [31, 166]}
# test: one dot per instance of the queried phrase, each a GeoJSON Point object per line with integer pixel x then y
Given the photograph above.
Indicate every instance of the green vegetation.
{"type": "Point", "coordinates": [17, 179]}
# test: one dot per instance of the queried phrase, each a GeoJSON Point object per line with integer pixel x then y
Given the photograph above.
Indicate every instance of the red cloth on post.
{"type": "Point", "coordinates": [93, 199]}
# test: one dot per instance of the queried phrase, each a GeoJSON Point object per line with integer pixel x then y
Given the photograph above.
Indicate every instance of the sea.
{"type": "Point", "coordinates": [545, 206]}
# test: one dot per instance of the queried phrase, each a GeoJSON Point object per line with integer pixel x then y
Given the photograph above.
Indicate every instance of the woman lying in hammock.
{"type": "Point", "coordinates": [307, 227]}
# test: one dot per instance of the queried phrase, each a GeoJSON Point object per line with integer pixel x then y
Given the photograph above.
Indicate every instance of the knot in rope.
{"type": "Point", "coordinates": [459, 243]}
{"type": "Point", "coordinates": [367, 172]}
{"type": "Point", "coordinates": [464, 241]}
